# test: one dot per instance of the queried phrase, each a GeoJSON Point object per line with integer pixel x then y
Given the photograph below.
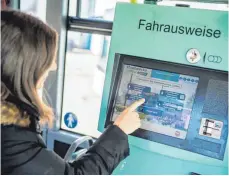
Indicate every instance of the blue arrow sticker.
{"type": "Point", "coordinates": [70, 120]}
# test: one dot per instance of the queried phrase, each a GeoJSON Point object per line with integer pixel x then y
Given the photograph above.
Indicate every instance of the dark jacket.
{"type": "Point", "coordinates": [24, 152]}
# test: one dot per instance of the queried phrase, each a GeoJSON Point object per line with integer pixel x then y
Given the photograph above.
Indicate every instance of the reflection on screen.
{"type": "Point", "coordinates": [169, 99]}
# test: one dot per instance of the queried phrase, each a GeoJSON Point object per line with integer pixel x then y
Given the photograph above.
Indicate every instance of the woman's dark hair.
{"type": "Point", "coordinates": [28, 49]}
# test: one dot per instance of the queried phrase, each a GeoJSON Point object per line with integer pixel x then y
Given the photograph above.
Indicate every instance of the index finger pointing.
{"type": "Point", "coordinates": [136, 104]}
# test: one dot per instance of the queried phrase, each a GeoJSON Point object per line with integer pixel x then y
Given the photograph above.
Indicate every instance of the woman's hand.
{"type": "Point", "coordinates": [129, 121]}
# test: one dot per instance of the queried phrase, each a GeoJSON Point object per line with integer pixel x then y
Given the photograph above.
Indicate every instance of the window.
{"type": "Point", "coordinates": [95, 9]}
{"type": "Point", "coordinates": [85, 67]}
{"type": "Point", "coordinates": [87, 49]}
{"type": "Point", "coordinates": [34, 7]}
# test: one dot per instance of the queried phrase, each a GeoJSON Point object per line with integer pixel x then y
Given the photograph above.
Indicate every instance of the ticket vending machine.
{"type": "Point", "coordinates": [177, 59]}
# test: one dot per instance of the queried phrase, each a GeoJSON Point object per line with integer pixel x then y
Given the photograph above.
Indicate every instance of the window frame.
{"type": "Point", "coordinates": [84, 25]}
{"type": "Point", "coordinates": [89, 26]}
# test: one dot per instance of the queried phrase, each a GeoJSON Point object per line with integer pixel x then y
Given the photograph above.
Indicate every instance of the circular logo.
{"type": "Point", "coordinates": [193, 56]}
{"type": "Point", "coordinates": [70, 120]}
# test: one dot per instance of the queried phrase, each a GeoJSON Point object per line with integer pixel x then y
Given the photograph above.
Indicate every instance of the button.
{"type": "Point", "coordinates": [193, 56]}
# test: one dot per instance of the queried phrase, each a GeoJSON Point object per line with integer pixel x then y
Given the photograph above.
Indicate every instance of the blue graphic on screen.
{"type": "Point", "coordinates": [169, 99]}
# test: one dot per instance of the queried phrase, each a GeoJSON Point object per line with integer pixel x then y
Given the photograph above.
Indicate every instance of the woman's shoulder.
{"type": "Point", "coordinates": [19, 145]}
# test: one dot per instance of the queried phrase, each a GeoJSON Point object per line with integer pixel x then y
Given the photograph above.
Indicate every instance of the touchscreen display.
{"type": "Point", "coordinates": [169, 99]}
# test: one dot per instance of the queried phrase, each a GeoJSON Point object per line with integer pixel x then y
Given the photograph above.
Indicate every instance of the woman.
{"type": "Point", "coordinates": [28, 54]}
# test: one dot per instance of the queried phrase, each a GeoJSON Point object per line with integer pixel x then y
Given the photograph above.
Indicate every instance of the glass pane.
{"type": "Point", "coordinates": [34, 7]}
{"type": "Point", "coordinates": [104, 9]}
{"type": "Point", "coordinates": [72, 8]}
{"type": "Point", "coordinates": [96, 9]}
{"type": "Point", "coordinates": [85, 67]}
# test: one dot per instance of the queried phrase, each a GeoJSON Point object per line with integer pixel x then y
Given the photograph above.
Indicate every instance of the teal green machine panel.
{"type": "Point", "coordinates": [177, 59]}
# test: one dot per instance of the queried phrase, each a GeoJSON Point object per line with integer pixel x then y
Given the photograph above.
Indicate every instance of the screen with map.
{"type": "Point", "coordinates": [169, 99]}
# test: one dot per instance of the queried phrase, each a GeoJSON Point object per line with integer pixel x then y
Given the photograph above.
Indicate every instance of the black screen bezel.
{"type": "Point", "coordinates": [204, 75]}
{"type": "Point", "coordinates": [121, 60]}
